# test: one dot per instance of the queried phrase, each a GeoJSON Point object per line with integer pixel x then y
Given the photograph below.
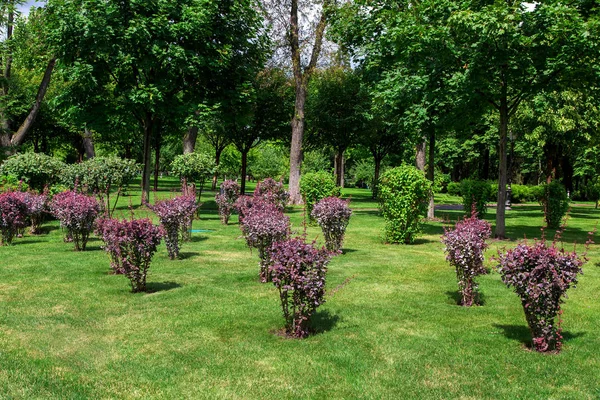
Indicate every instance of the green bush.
{"type": "Point", "coordinates": [453, 189]}
{"type": "Point", "coordinates": [475, 193]}
{"type": "Point", "coordinates": [403, 195]}
{"type": "Point", "coordinates": [36, 169]}
{"type": "Point", "coordinates": [440, 182]}
{"type": "Point", "coordinates": [10, 183]}
{"type": "Point", "coordinates": [315, 186]}
{"type": "Point", "coordinates": [521, 194]}
{"type": "Point", "coordinates": [555, 202]}
{"type": "Point", "coordinates": [363, 173]}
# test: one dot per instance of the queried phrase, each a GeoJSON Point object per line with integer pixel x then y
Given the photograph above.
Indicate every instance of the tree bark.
{"type": "Point", "coordinates": [339, 168]}
{"type": "Point", "coordinates": [88, 144]}
{"type": "Point", "coordinates": [502, 173]}
{"type": "Point", "coordinates": [420, 159]}
{"type": "Point", "coordinates": [189, 140]}
{"type": "Point", "coordinates": [217, 161]}
{"type": "Point", "coordinates": [431, 172]}
{"type": "Point", "coordinates": [244, 170]}
{"type": "Point", "coordinates": [148, 129]}
{"type": "Point", "coordinates": [157, 145]}
{"type": "Point", "coordinates": [378, 160]}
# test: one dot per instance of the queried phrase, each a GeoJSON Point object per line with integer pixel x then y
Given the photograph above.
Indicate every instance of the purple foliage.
{"type": "Point", "coordinates": [298, 270]}
{"type": "Point", "coordinates": [272, 191]}
{"type": "Point", "coordinates": [465, 246]}
{"type": "Point", "coordinates": [36, 206]}
{"type": "Point", "coordinates": [13, 216]}
{"type": "Point", "coordinates": [226, 200]}
{"type": "Point", "coordinates": [333, 215]}
{"type": "Point", "coordinates": [76, 213]}
{"type": "Point", "coordinates": [263, 225]}
{"type": "Point", "coordinates": [175, 214]}
{"type": "Point", "coordinates": [540, 275]}
{"type": "Point", "coordinates": [131, 245]}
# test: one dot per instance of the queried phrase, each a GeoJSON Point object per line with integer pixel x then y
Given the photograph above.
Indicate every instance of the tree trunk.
{"type": "Point", "coordinates": [148, 129]}
{"type": "Point", "coordinates": [88, 144]}
{"type": "Point", "coordinates": [420, 158]}
{"type": "Point", "coordinates": [217, 161]}
{"type": "Point", "coordinates": [378, 160]}
{"type": "Point", "coordinates": [431, 172]}
{"type": "Point", "coordinates": [485, 174]}
{"type": "Point", "coordinates": [502, 173]}
{"type": "Point", "coordinates": [157, 145]}
{"type": "Point", "coordinates": [244, 170]}
{"type": "Point", "coordinates": [296, 145]}
{"type": "Point", "coordinates": [189, 140]}
{"type": "Point", "coordinates": [339, 168]}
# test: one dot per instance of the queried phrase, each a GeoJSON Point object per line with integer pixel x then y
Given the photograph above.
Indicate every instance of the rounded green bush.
{"type": "Point", "coordinates": [37, 169]}
{"type": "Point", "coordinates": [475, 193]}
{"type": "Point", "coordinates": [403, 195]}
{"type": "Point", "coordinates": [315, 186]}
{"type": "Point", "coordinates": [555, 202]}
{"type": "Point", "coordinates": [453, 189]}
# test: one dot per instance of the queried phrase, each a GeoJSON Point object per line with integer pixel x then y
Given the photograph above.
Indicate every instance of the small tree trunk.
{"type": "Point", "coordinates": [431, 173]}
{"type": "Point", "coordinates": [502, 174]}
{"type": "Point", "coordinates": [157, 145]}
{"type": "Point", "coordinates": [376, 177]}
{"type": "Point", "coordinates": [148, 128]}
{"type": "Point", "coordinates": [88, 144]}
{"type": "Point", "coordinates": [244, 170]}
{"type": "Point", "coordinates": [189, 140]}
{"type": "Point", "coordinates": [217, 161]}
{"type": "Point", "coordinates": [339, 168]}
{"type": "Point", "coordinates": [296, 146]}
{"type": "Point", "coordinates": [420, 159]}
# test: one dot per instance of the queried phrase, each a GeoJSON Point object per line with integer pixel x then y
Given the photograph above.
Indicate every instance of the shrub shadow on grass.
{"type": "Point", "coordinates": [455, 298]}
{"type": "Point", "coordinates": [323, 321]}
{"type": "Point", "coordinates": [154, 287]}
{"type": "Point", "coordinates": [522, 334]}
{"type": "Point", "coordinates": [184, 255]}
{"type": "Point", "coordinates": [346, 251]}
{"type": "Point", "coordinates": [198, 238]}
{"type": "Point", "coordinates": [22, 241]}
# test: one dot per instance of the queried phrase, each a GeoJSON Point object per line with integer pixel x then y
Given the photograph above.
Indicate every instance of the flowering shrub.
{"type": "Point", "coordinates": [540, 275]}
{"type": "Point", "coordinates": [131, 245]}
{"type": "Point", "coordinates": [332, 215]}
{"type": "Point", "coordinates": [226, 200]}
{"type": "Point", "coordinates": [272, 191]}
{"type": "Point", "coordinates": [315, 186]}
{"type": "Point", "coordinates": [77, 213]}
{"type": "Point", "coordinates": [263, 225]}
{"type": "Point", "coordinates": [174, 214]}
{"type": "Point", "coordinates": [36, 206]}
{"type": "Point", "coordinates": [403, 195]}
{"type": "Point", "coordinates": [298, 271]}
{"type": "Point", "coordinates": [13, 215]}
{"type": "Point", "coordinates": [465, 246]}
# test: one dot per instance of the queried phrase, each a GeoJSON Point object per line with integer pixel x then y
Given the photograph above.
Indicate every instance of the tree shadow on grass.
{"type": "Point", "coordinates": [522, 334]}
{"type": "Point", "coordinates": [154, 287]}
{"type": "Point", "coordinates": [184, 255]}
{"type": "Point", "coordinates": [455, 298]}
{"type": "Point", "coordinates": [346, 251]}
{"type": "Point", "coordinates": [198, 238]}
{"type": "Point", "coordinates": [22, 241]}
{"type": "Point", "coordinates": [324, 321]}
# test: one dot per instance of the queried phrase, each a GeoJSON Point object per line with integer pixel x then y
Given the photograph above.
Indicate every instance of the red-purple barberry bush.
{"type": "Point", "coordinates": [541, 275]}
{"type": "Point", "coordinates": [332, 214]}
{"type": "Point", "coordinates": [272, 191]}
{"type": "Point", "coordinates": [174, 214]}
{"type": "Point", "coordinates": [226, 199]}
{"type": "Point", "coordinates": [264, 224]}
{"type": "Point", "coordinates": [465, 245]}
{"type": "Point", "coordinates": [76, 213]}
{"type": "Point", "coordinates": [36, 207]}
{"type": "Point", "coordinates": [131, 245]}
{"type": "Point", "coordinates": [298, 271]}
{"type": "Point", "coordinates": [13, 216]}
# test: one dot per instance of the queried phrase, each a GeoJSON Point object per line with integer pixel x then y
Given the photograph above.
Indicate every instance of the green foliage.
{"type": "Point", "coordinates": [38, 170]}
{"type": "Point", "coordinates": [315, 161]}
{"type": "Point", "coordinates": [315, 186]}
{"type": "Point", "coordinates": [403, 195]}
{"type": "Point", "coordinates": [270, 161]}
{"type": "Point", "coordinates": [555, 202]}
{"type": "Point", "coordinates": [453, 189]}
{"type": "Point", "coordinates": [440, 181]}
{"type": "Point", "coordinates": [522, 194]}
{"type": "Point", "coordinates": [10, 183]}
{"type": "Point", "coordinates": [193, 167]}
{"type": "Point", "coordinates": [475, 193]}
{"type": "Point", "coordinates": [363, 173]}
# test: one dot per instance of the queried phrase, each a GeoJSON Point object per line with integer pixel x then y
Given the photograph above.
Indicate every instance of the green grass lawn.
{"type": "Point", "coordinates": [69, 330]}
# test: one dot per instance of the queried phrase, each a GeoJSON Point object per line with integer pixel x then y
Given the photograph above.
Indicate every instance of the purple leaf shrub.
{"type": "Point", "coordinates": [226, 200]}
{"type": "Point", "coordinates": [272, 191]}
{"type": "Point", "coordinates": [76, 213]}
{"type": "Point", "coordinates": [174, 214]}
{"type": "Point", "coordinates": [131, 245]}
{"type": "Point", "coordinates": [13, 216]}
{"type": "Point", "coordinates": [242, 205]}
{"type": "Point", "coordinates": [540, 275]}
{"type": "Point", "coordinates": [298, 271]}
{"type": "Point", "coordinates": [263, 225]}
{"type": "Point", "coordinates": [36, 206]}
{"type": "Point", "coordinates": [465, 245]}
{"type": "Point", "coordinates": [333, 215]}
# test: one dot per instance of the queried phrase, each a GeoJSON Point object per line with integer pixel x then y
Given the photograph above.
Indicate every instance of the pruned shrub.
{"type": "Point", "coordinates": [272, 191]}
{"type": "Point", "coordinates": [403, 195]}
{"type": "Point", "coordinates": [76, 213]}
{"type": "Point", "coordinates": [555, 201]}
{"type": "Point", "coordinates": [264, 224]}
{"type": "Point", "coordinates": [13, 216]}
{"type": "Point", "coordinates": [298, 271]}
{"type": "Point", "coordinates": [131, 244]}
{"type": "Point", "coordinates": [332, 215]}
{"type": "Point", "coordinates": [475, 195]}
{"type": "Point", "coordinates": [38, 170]}
{"type": "Point", "coordinates": [453, 189]}
{"type": "Point", "coordinates": [242, 205]}
{"type": "Point", "coordinates": [226, 199]}
{"type": "Point", "coordinates": [315, 186]}
{"type": "Point", "coordinates": [174, 214]}
{"type": "Point", "coordinates": [193, 169]}
{"type": "Point", "coordinates": [465, 245]}
{"type": "Point", "coordinates": [36, 207]}
{"type": "Point", "coordinates": [541, 275]}
{"type": "Point", "coordinates": [10, 183]}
